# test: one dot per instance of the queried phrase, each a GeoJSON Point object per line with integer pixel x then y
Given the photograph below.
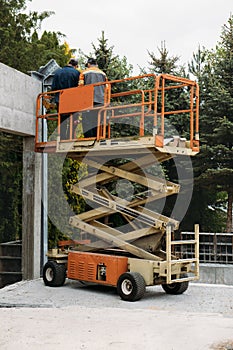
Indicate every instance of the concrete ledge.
{"type": "Point", "coordinates": [216, 274]}
{"type": "Point", "coordinates": [18, 93]}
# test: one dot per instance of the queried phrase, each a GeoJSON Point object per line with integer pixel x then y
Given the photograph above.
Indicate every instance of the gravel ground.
{"type": "Point", "coordinates": [92, 317]}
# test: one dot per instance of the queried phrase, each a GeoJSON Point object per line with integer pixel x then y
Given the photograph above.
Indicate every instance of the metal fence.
{"type": "Point", "coordinates": [213, 248]}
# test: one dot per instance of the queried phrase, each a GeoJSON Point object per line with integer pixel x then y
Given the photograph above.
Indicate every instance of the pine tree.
{"type": "Point", "coordinates": [164, 63]}
{"type": "Point", "coordinates": [113, 65]}
{"type": "Point", "coordinates": [214, 171]}
{"type": "Point", "coordinates": [21, 47]}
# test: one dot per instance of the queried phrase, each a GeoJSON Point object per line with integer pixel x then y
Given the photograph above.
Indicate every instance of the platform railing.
{"type": "Point", "coordinates": [149, 101]}
{"type": "Point", "coordinates": [193, 261]}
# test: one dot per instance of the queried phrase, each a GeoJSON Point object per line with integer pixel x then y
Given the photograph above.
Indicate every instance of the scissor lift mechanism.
{"type": "Point", "coordinates": [139, 257]}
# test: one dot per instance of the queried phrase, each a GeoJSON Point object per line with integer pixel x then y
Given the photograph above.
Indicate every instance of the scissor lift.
{"type": "Point", "coordinates": [141, 252]}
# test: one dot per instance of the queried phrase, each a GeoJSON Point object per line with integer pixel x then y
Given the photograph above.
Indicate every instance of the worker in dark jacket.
{"type": "Point", "coordinates": [91, 75]}
{"type": "Point", "coordinates": [64, 78]}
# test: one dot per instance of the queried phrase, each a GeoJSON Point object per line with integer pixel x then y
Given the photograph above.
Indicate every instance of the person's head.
{"type": "Point", "coordinates": [73, 63]}
{"type": "Point", "coordinates": [91, 62]}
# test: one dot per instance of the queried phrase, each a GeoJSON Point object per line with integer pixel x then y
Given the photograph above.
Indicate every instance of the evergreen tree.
{"type": "Point", "coordinates": [15, 31]}
{"type": "Point", "coordinates": [21, 47]}
{"type": "Point", "coordinates": [175, 124]}
{"type": "Point", "coordinates": [113, 65]}
{"type": "Point", "coordinates": [175, 99]}
{"type": "Point", "coordinates": [215, 162]}
{"type": "Point", "coordinates": [116, 68]}
{"type": "Point", "coordinates": [164, 63]}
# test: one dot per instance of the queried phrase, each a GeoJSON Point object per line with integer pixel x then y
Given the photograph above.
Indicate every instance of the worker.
{"type": "Point", "coordinates": [64, 78]}
{"type": "Point", "coordinates": [91, 75]}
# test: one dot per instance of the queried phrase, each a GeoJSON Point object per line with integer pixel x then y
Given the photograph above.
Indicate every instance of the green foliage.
{"type": "Point", "coordinates": [113, 65]}
{"type": "Point", "coordinates": [213, 166]}
{"type": "Point", "coordinates": [21, 47]}
{"type": "Point", "coordinates": [62, 202]}
{"type": "Point", "coordinates": [54, 235]}
{"type": "Point", "coordinates": [73, 171]}
{"type": "Point", "coordinates": [10, 187]}
{"type": "Point", "coordinates": [206, 209]}
{"type": "Point", "coordinates": [43, 49]}
{"type": "Point", "coordinates": [163, 63]}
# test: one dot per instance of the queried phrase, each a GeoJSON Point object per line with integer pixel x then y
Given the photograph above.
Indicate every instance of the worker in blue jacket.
{"type": "Point", "coordinates": [64, 78]}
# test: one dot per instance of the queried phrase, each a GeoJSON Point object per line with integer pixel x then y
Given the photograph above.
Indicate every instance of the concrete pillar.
{"type": "Point", "coordinates": [31, 222]}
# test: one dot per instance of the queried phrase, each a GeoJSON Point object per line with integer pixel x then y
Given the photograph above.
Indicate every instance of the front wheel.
{"type": "Point", "coordinates": [131, 286]}
{"type": "Point", "coordinates": [54, 274]}
{"type": "Point", "coordinates": [176, 287]}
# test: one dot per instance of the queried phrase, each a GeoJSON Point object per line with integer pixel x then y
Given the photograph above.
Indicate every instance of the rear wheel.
{"type": "Point", "coordinates": [176, 287]}
{"type": "Point", "coordinates": [131, 286]}
{"type": "Point", "coordinates": [54, 274]}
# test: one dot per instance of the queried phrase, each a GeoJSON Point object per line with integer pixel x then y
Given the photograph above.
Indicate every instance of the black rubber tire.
{"type": "Point", "coordinates": [54, 274]}
{"type": "Point", "coordinates": [176, 287]}
{"type": "Point", "coordinates": [131, 286]}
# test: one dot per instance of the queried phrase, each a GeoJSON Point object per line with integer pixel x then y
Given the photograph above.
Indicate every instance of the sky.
{"type": "Point", "coordinates": [134, 27]}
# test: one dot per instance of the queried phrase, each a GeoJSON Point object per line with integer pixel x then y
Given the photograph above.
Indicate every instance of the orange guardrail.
{"type": "Point", "coordinates": [139, 101]}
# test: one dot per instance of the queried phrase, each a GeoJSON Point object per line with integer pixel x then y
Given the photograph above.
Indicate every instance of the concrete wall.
{"type": "Point", "coordinates": [18, 93]}
{"type": "Point", "coordinates": [216, 274]}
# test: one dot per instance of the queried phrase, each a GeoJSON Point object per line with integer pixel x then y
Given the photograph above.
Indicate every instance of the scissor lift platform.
{"type": "Point", "coordinates": [142, 253]}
